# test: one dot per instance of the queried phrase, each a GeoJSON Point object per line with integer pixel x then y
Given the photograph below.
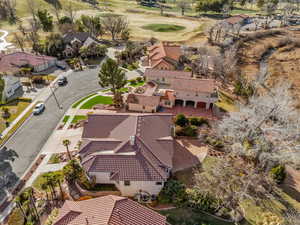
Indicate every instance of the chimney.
{"type": "Point", "coordinates": [132, 140]}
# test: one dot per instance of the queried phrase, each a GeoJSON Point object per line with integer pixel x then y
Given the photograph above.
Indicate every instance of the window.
{"type": "Point", "coordinates": [127, 183]}
{"type": "Point", "coordinates": [158, 183]}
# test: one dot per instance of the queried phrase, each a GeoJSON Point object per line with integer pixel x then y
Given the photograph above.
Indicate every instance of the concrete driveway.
{"type": "Point", "coordinates": [31, 137]}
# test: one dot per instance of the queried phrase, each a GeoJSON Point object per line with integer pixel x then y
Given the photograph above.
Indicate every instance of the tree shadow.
{"type": "Point", "coordinates": [8, 179]}
{"type": "Point", "coordinates": [55, 3]}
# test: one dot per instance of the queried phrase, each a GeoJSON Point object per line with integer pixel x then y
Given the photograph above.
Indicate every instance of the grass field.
{"type": "Point", "coordinates": [15, 108]}
{"type": "Point", "coordinates": [78, 118]}
{"type": "Point", "coordinates": [81, 100]}
{"type": "Point", "coordinates": [163, 27]}
{"type": "Point", "coordinates": [105, 100]}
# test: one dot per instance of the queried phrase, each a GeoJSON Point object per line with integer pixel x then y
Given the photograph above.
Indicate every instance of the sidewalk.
{"type": "Point", "coordinates": [44, 95]}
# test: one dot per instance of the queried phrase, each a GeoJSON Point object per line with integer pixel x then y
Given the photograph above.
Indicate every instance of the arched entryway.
{"type": "Point", "coordinates": [179, 102]}
{"type": "Point", "coordinates": [190, 103]}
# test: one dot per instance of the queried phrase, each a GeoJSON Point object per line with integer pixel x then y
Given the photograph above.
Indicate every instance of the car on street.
{"type": "Point", "coordinates": [62, 81]}
{"type": "Point", "coordinates": [39, 108]}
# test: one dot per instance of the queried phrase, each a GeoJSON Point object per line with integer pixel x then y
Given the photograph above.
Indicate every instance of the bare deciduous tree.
{"type": "Point", "coordinates": [266, 130]}
{"type": "Point", "coordinates": [115, 25]}
{"type": "Point", "coordinates": [8, 10]}
{"type": "Point", "coordinates": [183, 5]}
{"type": "Point", "coordinates": [19, 40]}
{"type": "Point", "coordinates": [70, 11]}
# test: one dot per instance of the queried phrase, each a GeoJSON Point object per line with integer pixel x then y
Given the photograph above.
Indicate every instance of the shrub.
{"type": "Point", "coordinates": [139, 79]}
{"type": "Point", "coordinates": [179, 131]}
{"type": "Point", "coordinates": [51, 218]}
{"type": "Point", "coordinates": [191, 131]}
{"type": "Point", "coordinates": [16, 218]}
{"type": "Point", "coordinates": [181, 120]}
{"type": "Point", "coordinates": [215, 142]}
{"type": "Point", "coordinates": [173, 192]}
{"type": "Point", "coordinates": [278, 173]}
{"type": "Point", "coordinates": [132, 82]}
{"type": "Point", "coordinates": [72, 170]}
{"type": "Point", "coordinates": [198, 121]}
{"type": "Point", "coordinates": [202, 201]}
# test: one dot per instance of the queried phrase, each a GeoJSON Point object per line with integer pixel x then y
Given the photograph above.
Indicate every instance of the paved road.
{"type": "Point", "coordinates": [30, 138]}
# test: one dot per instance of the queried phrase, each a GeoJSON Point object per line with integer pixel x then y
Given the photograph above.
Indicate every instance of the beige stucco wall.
{"type": "Point", "coordinates": [141, 108]}
{"type": "Point", "coordinates": [101, 177]}
{"type": "Point", "coordinates": [136, 186]}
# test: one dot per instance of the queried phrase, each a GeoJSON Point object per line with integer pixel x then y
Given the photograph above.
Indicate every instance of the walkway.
{"type": "Point", "coordinates": [4, 45]}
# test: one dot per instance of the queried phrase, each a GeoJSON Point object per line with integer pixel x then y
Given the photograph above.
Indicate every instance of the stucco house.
{"type": "Point", "coordinates": [172, 88]}
{"type": "Point", "coordinates": [135, 152]}
{"type": "Point", "coordinates": [107, 210]}
{"type": "Point", "coordinates": [11, 63]}
{"type": "Point", "coordinates": [11, 85]}
{"type": "Point", "coordinates": [163, 56]}
{"type": "Point", "coordinates": [75, 40]}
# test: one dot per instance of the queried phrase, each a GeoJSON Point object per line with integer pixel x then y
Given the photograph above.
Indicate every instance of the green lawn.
{"type": "Point", "coordinates": [78, 118]}
{"type": "Point", "coordinates": [187, 216]}
{"type": "Point", "coordinates": [138, 84]}
{"type": "Point", "coordinates": [99, 99]}
{"type": "Point", "coordinates": [81, 100]}
{"type": "Point", "coordinates": [66, 118]}
{"type": "Point", "coordinates": [54, 159]}
{"type": "Point", "coordinates": [15, 108]}
{"type": "Point", "coordinates": [163, 27]}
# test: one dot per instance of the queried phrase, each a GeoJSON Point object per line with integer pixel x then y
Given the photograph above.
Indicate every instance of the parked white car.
{"type": "Point", "coordinates": [39, 108]}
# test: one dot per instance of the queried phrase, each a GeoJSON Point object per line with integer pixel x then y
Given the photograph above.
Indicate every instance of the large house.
{"type": "Point", "coordinates": [12, 63]}
{"type": "Point", "coordinates": [135, 152]}
{"type": "Point", "coordinates": [75, 40]}
{"type": "Point", "coordinates": [163, 56]}
{"type": "Point", "coordinates": [107, 210]}
{"type": "Point", "coordinates": [167, 88]}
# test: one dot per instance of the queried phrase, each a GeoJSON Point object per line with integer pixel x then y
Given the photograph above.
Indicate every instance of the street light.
{"type": "Point", "coordinates": [56, 100]}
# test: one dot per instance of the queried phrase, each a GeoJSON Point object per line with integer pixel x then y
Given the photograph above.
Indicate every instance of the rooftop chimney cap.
{"type": "Point", "coordinates": [132, 140]}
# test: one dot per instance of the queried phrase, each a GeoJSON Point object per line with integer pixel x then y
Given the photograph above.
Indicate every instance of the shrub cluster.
{"type": "Point", "coordinates": [278, 173]}
{"type": "Point", "coordinates": [173, 192]}
{"type": "Point", "coordinates": [215, 142]}
{"type": "Point", "coordinates": [188, 126]}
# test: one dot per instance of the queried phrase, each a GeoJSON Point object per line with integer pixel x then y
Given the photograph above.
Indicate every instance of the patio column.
{"type": "Point", "coordinates": [184, 103]}
{"type": "Point", "coordinates": [195, 104]}
{"type": "Point", "coordinates": [207, 105]}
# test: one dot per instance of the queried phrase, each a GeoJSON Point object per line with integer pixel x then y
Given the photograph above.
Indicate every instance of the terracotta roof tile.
{"type": "Point", "coordinates": [194, 85]}
{"type": "Point", "coordinates": [108, 210]}
{"type": "Point", "coordinates": [143, 99]}
{"type": "Point", "coordinates": [167, 73]}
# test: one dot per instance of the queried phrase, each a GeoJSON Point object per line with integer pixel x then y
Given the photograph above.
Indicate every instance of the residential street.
{"type": "Point", "coordinates": [30, 138]}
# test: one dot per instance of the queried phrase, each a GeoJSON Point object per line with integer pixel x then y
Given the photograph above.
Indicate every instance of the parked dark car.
{"type": "Point", "coordinates": [62, 81]}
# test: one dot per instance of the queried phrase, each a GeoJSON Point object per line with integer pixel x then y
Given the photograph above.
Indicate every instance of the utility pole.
{"type": "Point", "coordinates": [56, 100]}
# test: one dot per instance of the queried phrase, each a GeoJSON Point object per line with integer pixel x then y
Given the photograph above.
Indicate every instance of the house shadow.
{"type": "Point", "coordinates": [8, 178]}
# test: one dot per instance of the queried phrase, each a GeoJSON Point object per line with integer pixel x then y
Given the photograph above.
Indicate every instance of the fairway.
{"type": "Point", "coordinates": [163, 27]}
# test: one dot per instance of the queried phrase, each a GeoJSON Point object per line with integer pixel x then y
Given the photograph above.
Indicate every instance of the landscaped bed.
{"type": "Point", "coordinates": [97, 100]}
{"type": "Point", "coordinates": [78, 118]}
{"type": "Point", "coordinates": [81, 100]}
{"type": "Point", "coordinates": [163, 27]}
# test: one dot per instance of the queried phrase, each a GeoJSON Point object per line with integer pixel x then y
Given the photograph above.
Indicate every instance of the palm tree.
{"type": "Point", "coordinates": [19, 205]}
{"type": "Point", "coordinates": [110, 75]}
{"type": "Point", "coordinates": [66, 143]}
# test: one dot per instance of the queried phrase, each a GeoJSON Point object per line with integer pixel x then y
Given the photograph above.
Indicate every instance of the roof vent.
{"type": "Point", "coordinates": [132, 140]}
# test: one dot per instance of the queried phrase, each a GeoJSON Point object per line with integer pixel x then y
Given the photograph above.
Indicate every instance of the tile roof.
{"type": "Point", "coordinates": [12, 62]}
{"type": "Point", "coordinates": [144, 154]}
{"type": "Point", "coordinates": [107, 210]}
{"type": "Point", "coordinates": [194, 85]}
{"type": "Point", "coordinates": [143, 99]}
{"type": "Point", "coordinates": [164, 50]}
{"type": "Point", "coordinates": [81, 36]}
{"type": "Point", "coordinates": [167, 73]}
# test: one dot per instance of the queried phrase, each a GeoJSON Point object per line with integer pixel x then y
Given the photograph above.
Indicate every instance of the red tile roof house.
{"type": "Point", "coordinates": [133, 151]}
{"type": "Point", "coordinates": [11, 63]}
{"type": "Point", "coordinates": [163, 56]}
{"type": "Point", "coordinates": [175, 87]}
{"type": "Point", "coordinates": [108, 210]}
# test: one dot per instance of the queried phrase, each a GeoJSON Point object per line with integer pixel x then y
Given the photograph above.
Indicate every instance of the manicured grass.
{"type": "Point", "coordinates": [37, 183]}
{"type": "Point", "coordinates": [78, 118]}
{"type": "Point", "coordinates": [99, 99]}
{"type": "Point", "coordinates": [187, 216]}
{"type": "Point", "coordinates": [65, 119]}
{"type": "Point", "coordinates": [15, 108]}
{"type": "Point", "coordinates": [138, 84]}
{"type": "Point", "coordinates": [163, 27]}
{"type": "Point", "coordinates": [81, 100]}
{"type": "Point", "coordinates": [125, 90]}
